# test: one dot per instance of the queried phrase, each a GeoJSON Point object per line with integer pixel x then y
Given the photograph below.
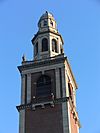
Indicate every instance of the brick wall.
{"type": "Point", "coordinates": [73, 124]}
{"type": "Point", "coordinates": [47, 120]}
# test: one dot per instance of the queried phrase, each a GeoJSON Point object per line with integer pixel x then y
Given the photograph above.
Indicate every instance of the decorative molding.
{"type": "Point", "coordinates": [40, 63]}
{"type": "Point", "coordinates": [34, 105]}
{"type": "Point", "coordinates": [48, 31]}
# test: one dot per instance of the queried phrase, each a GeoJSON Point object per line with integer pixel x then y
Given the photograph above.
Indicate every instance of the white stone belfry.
{"type": "Point", "coordinates": [47, 42]}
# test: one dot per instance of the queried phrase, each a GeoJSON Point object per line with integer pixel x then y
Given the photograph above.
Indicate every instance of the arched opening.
{"type": "Point", "coordinates": [45, 23]}
{"type": "Point", "coordinates": [44, 44]}
{"type": "Point", "coordinates": [54, 45]}
{"type": "Point", "coordinates": [43, 86]}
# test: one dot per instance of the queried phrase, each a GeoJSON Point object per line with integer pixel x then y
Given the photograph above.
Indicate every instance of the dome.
{"type": "Point", "coordinates": [46, 15]}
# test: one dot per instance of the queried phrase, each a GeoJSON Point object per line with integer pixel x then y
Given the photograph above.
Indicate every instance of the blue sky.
{"type": "Point", "coordinates": [79, 23]}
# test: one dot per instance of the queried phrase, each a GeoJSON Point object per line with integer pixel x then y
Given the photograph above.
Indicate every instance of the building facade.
{"type": "Point", "coordinates": [48, 87]}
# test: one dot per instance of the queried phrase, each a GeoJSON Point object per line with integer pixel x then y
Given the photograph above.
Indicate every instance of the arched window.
{"type": "Point", "coordinates": [45, 23]}
{"type": "Point", "coordinates": [51, 22]}
{"type": "Point", "coordinates": [43, 86]}
{"type": "Point", "coordinates": [36, 48]}
{"type": "Point", "coordinates": [61, 51]}
{"type": "Point", "coordinates": [54, 45]}
{"type": "Point", "coordinates": [44, 45]}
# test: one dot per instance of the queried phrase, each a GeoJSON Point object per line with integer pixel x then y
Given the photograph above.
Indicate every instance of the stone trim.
{"type": "Point", "coordinates": [22, 88]}
{"type": "Point", "coordinates": [48, 31]}
{"type": "Point", "coordinates": [63, 81]}
{"type": "Point", "coordinates": [65, 118]}
{"type": "Point", "coordinates": [51, 102]}
{"type": "Point", "coordinates": [57, 83]}
{"type": "Point", "coordinates": [22, 121]}
{"type": "Point", "coordinates": [67, 65]}
{"type": "Point", "coordinates": [28, 87]}
{"type": "Point", "coordinates": [41, 63]}
{"type": "Point", "coordinates": [43, 68]}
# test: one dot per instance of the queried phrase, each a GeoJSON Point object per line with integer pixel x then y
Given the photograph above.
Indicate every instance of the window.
{"type": "Point", "coordinates": [45, 23]}
{"type": "Point", "coordinates": [44, 45]}
{"type": "Point", "coordinates": [61, 51]}
{"type": "Point", "coordinates": [43, 86]}
{"type": "Point", "coordinates": [36, 48]}
{"type": "Point", "coordinates": [54, 45]}
{"type": "Point", "coordinates": [51, 23]}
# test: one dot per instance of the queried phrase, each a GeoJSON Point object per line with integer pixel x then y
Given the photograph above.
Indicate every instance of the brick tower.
{"type": "Point", "coordinates": [48, 87]}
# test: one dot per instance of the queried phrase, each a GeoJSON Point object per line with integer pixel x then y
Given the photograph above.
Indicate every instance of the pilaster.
{"type": "Point", "coordinates": [22, 88]}
{"type": "Point", "coordinates": [63, 81]}
{"type": "Point", "coordinates": [65, 118]}
{"type": "Point", "coordinates": [22, 121]}
{"type": "Point", "coordinates": [58, 95]}
{"type": "Point", "coordinates": [28, 87]}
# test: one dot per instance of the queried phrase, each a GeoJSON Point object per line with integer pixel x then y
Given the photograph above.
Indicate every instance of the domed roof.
{"type": "Point", "coordinates": [46, 15]}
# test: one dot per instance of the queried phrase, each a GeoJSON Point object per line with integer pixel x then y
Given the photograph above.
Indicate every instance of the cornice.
{"type": "Point", "coordinates": [40, 63]}
{"type": "Point", "coordinates": [33, 106]}
{"type": "Point", "coordinates": [48, 31]}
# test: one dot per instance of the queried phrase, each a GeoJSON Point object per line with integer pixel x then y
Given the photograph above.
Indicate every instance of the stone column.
{"type": "Point", "coordinates": [74, 97]}
{"type": "Point", "coordinates": [58, 95]}
{"type": "Point", "coordinates": [22, 88]}
{"type": "Point", "coordinates": [22, 121]}
{"type": "Point", "coordinates": [39, 48]}
{"type": "Point", "coordinates": [59, 45]}
{"type": "Point", "coordinates": [28, 87]}
{"type": "Point", "coordinates": [50, 44]}
{"type": "Point", "coordinates": [63, 81]}
{"type": "Point", "coordinates": [66, 81]}
{"type": "Point", "coordinates": [65, 118]}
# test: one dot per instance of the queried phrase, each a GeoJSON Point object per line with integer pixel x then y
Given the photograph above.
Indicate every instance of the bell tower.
{"type": "Point", "coordinates": [47, 42]}
{"type": "Point", "coordinates": [48, 87]}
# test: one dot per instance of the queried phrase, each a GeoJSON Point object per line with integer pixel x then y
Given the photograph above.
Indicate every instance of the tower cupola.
{"type": "Point", "coordinates": [47, 22]}
{"type": "Point", "coordinates": [47, 42]}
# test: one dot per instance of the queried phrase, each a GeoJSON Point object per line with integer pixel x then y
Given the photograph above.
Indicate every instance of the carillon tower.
{"type": "Point", "coordinates": [48, 87]}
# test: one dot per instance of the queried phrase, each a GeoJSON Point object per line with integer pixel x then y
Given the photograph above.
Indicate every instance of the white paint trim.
{"type": "Point", "coordinates": [28, 88]}
{"type": "Point", "coordinates": [22, 121]}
